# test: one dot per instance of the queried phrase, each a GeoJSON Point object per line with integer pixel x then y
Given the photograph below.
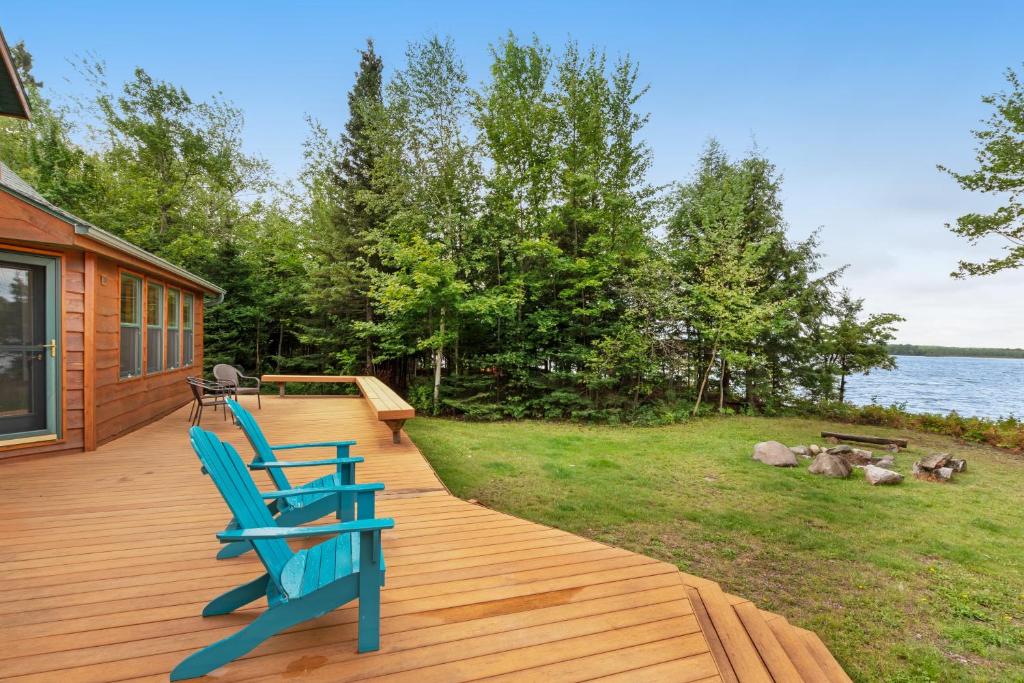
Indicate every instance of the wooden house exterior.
{"type": "Point", "coordinates": [97, 336]}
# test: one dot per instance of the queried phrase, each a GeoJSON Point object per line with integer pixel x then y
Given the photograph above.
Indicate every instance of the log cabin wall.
{"type": "Point", "coordinates": [126, 404]}
{"type": "Point", "coordinates": [95, 404]}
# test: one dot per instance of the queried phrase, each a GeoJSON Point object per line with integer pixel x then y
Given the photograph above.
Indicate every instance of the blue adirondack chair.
{"type": "Point", "coordinates": [310, 501]}
{"type": "Point", "coordinates": [299, 585]}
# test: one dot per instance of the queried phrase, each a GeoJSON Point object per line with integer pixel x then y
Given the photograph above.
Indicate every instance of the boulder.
{"type": "Point", "coordinates": [879, 475]}
{"type": "Point", "coordinates": [774, 453]}
{"type": "Point", "coordinates": [943, 473]}
{"type": "Point", "coordinates": [957, 465]}
{"type": "Point", "coordinates": [815, 449]}
{"type": "Point", "coordinates": [933, 462]}
{"type": "Point", "coordinates": [830, 465]}
{"type": "Point", "coordinates": [854, 456]}
{"type": "Point", "coordinates": [892, 448]}
{"type": "Point", "coordinates": [886, 462]}
{"type": "Point", "coordinates": [802, 451]}
{"type": "Point", "coordinates": [831, 439]}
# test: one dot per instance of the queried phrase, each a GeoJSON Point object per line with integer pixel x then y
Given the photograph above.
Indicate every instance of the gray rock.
{"type": "Point", "coordinates": [933, 462]}
{"type": "Point", "coordinates": [855, 456]}
{"type": "Point", "coordinates": [802, 451]}
{"type": "Point", "coordinates": [958, 465]}
{"type": "Point", "coordinates": [815, 449]}
{"type": "Point", "coordinates": [886, 462]}
{"type": "Point", "coordinates": [774, 453]}
{"type": "Point", "coordinates": [879, 475]}
{"type": "Point", "coordinates": [943, 473]}
{"type": "Point", "coordinates": [892, 448]}
{"type": "Point", "coordinates": [830, 465]}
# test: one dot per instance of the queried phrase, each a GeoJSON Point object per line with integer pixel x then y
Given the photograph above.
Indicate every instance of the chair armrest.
{"type": "Point", "coordinates": [317, 444]}
{"type": "Point", "coordinates": [255, 379]}
{"type": "Point", "coordinates": [267, 533]}
{"type": "Point", "coordinates": [343, 488]}
{"type": "Point", "coordinates": [304, 463]}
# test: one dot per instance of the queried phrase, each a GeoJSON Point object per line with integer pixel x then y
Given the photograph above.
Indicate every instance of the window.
{"type": "Point", "coordinates": [186, 326]}
{"type": "Point", "coordinates": [131, 326]}
{"type": "Point", "coordinates": [173, 329]}
{"type": "Point", "coordinates": [154, 327]}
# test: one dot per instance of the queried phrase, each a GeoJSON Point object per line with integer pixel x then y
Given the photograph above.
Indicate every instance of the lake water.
{"type": "Point", "coordinates": [981, 387]}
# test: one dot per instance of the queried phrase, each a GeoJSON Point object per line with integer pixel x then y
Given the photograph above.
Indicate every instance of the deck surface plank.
{"type": "Point", "coordinates": [110, 558]}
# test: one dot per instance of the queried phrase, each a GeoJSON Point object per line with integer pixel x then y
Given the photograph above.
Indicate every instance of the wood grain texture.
{"type": "Point", "coordinates": [471, 593]}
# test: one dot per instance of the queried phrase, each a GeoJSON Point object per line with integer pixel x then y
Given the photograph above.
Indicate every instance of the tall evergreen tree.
{"type": "Point", "coordinates": [344, 217]}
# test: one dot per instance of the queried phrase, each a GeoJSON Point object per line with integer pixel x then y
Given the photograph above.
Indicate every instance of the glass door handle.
{"type": "Point", "coordinates": [53, 348]}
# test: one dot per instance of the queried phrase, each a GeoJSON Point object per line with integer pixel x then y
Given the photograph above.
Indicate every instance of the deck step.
{"type": "Point", "coordinates": [711, 635]}
{"type": "Point", "coordinates": [822, 655]}
{"type": "Point", "coordinates": [740, 649]}
{"type": "Point", "coordinates": [772, 653]}
{"type": "Point", "coordinates": [796, 648]}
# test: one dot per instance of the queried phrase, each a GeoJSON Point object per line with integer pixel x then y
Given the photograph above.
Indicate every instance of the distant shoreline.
{"type": "Point", "coordinates": [953, 351]}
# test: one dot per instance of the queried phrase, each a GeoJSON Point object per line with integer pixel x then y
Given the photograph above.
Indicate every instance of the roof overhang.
{"type": "Point", "coordinates": [12, 93]}
{"type": "Point", "coordinates": [122, 245]}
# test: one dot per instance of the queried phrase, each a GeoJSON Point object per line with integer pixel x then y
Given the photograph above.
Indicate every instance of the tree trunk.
{"type": "Point", "coordinates": [437, 365]}
{"type": "Point", "coordinates": [721, 388]}
{"type": "Point", "coordinates": [842, 387]}
{"type": "Point", "coordinates": [704, 381]}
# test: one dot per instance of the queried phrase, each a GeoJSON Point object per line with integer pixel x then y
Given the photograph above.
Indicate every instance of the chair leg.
{"type": "Point", "coordinates": [191, 410]}
{"type": "Point", "coordinates": [259, 403]}
{"type": "Point", "coordinates": [237, 597]}
{"type": "Point", "coordinates": [369, 592]}
{"type": "Point", "coordinates": [214, 656]}
{"type": "Point", "coordinates": [199, 415]}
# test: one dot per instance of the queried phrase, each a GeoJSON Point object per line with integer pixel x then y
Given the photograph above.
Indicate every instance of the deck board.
{"type": "Point", "coordinates": [110, 558]}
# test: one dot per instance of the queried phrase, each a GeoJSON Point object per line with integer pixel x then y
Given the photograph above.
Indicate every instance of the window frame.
{"type": "Point", "coordinates": [190, 327]}
{"type": "Point", "coordinates": [161, 325]}
{"type": "Point", "coordinates": [176, 328]}
{"type": "Point", "coordinates": [139, 324]}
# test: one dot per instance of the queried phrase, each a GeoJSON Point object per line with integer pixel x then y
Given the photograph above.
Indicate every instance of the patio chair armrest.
{"type": "Point", "coordinates": [255, 379]}
{"type": "Point", "coordinates": [275, 532]}
{"type": "Point", "coordinates": [315, 444]}
{"type": "Point", "coordinates": [342, 488]}
{"type": "Point", "coordinates": [304, 463]}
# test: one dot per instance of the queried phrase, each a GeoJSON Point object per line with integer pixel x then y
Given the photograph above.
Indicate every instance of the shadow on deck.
{"type": "Point", "coordinates": [109, 559]}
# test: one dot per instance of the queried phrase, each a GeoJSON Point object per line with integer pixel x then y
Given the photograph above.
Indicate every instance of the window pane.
{"type": "Point", "coordinates": [187, 347]}
{"type": "Point", "coordinates": [131, 351]}
{"type": "Point", "coordinates": [154, 349]}
{"type": "Point", "coordinates": [131, 321]}
{"type": "Point", "coordinates": [186, 312]}
{"type": "Point", "coordinates": [173, 352]}
{"type": "Point", "coordinates": [129, 300]}
{"type": "Point", "coordinates": [154, 309]}
{"type": "Point", "coordinates": [173, 301]}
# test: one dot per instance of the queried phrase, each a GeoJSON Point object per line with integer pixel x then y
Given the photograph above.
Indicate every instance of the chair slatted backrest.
{"type": "Point", "coordinates": [222, 462]}
{"type": "Point", "coordinates": [260, 445]}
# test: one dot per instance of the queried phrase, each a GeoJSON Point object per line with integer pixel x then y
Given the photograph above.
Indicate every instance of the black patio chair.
{"type": "Point", "coordinates": [206, 393]}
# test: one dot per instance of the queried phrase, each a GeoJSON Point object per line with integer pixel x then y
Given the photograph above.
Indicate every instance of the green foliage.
{"type": "Point", "coordinates": [1001, 172]}
{"type": "Point", "coordinates": [502, 245]}
{"type": "Point", "coordinates": [963, 351]}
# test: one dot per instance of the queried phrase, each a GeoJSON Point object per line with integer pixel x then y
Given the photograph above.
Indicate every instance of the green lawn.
{"type": "Point", "coordinates": [918, 582]}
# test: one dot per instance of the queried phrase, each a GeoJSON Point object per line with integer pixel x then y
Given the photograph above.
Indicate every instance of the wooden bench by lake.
{"type": "Point", "coordinates": [388, 406]}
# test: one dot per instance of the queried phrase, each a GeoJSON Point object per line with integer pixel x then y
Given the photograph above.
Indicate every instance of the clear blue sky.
{"type": "Point", "coordinates": [855, 102]}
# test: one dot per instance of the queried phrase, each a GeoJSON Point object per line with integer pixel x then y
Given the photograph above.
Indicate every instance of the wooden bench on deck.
{"type": "Point", "coordinates": [386, 404]}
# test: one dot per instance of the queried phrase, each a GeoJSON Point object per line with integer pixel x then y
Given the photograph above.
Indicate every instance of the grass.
{"type": "Point", "coordinates": [917, 582]}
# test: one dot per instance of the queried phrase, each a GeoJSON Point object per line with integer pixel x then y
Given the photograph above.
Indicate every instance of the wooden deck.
{"type": "Point", "coordinates": [109, 558]}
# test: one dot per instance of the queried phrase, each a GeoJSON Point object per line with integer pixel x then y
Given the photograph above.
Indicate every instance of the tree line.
{"type": "Point", "coordinates": [492, 251]}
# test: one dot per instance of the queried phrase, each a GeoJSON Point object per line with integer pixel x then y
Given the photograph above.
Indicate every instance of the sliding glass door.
{"type": "Point", "coordinates": [29, 346]}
